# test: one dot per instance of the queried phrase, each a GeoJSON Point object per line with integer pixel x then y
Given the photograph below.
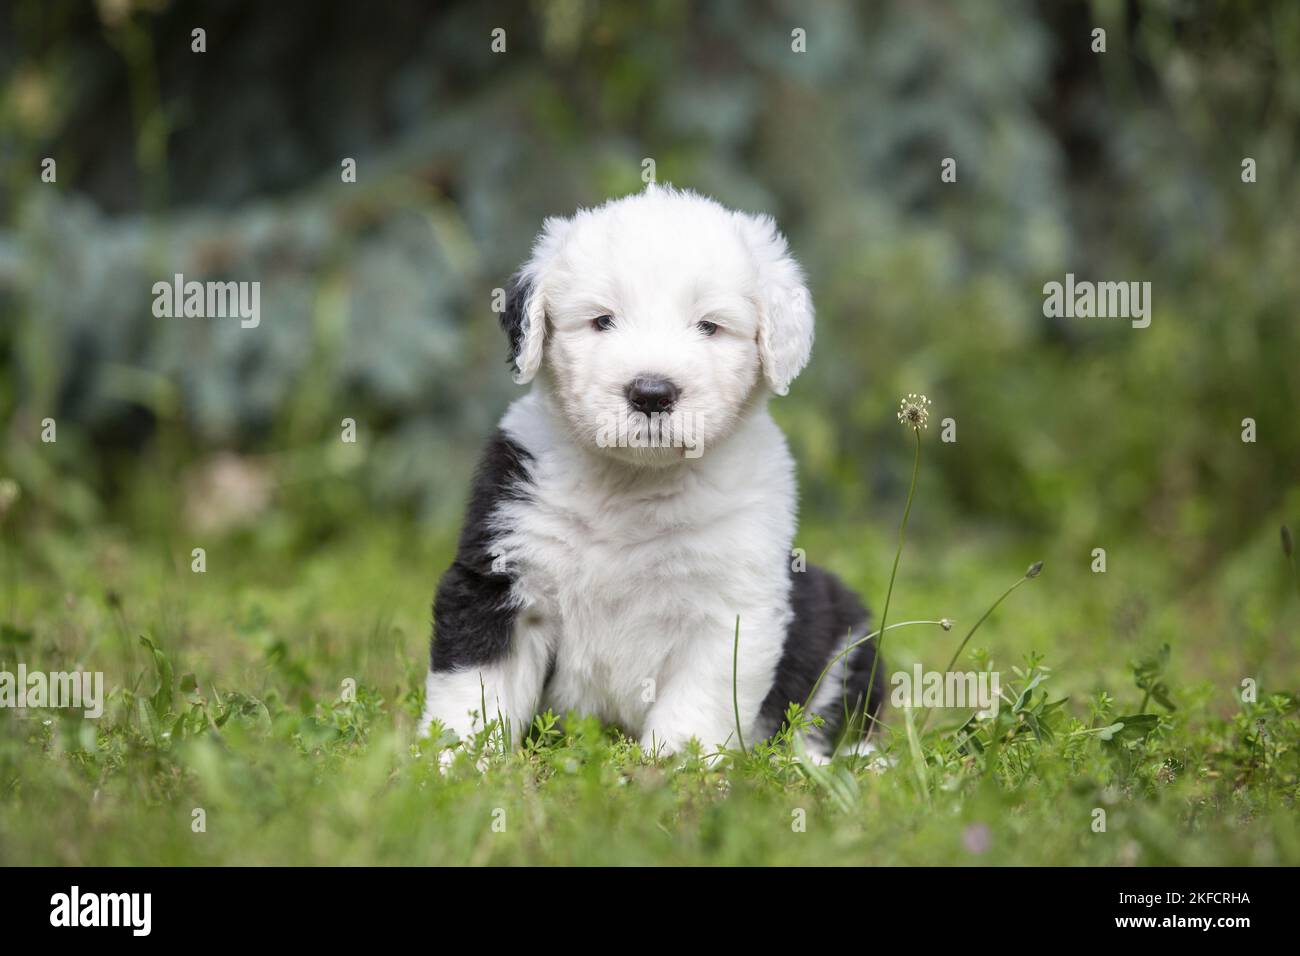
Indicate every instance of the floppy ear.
{"type": "Point", "coordinates": [524, 318]}
{"type": "Point", "coordinates": [785, 311]}
{"type": "Point", "coordinates": [524, 322]}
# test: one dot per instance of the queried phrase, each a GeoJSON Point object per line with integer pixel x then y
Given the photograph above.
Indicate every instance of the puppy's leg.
{"type": "Point", "coordinates": [485, 660]}
{"type": "Point", "coordinates": [465, 699]}
{"type": "Point", "coordinates": [828, 618]}
{"type": "Point", "coordinates": [696, 698]}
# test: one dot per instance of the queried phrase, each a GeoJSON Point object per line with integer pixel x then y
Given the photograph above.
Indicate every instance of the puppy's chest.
{"type": "Point", "coordinates": [612, 587]}
{"type": "Point", "coordinates": [587, 560]}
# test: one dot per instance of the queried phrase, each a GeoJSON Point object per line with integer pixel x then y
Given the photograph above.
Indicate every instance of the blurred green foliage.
{"type": "Point", "coordinates": [1124, 165]}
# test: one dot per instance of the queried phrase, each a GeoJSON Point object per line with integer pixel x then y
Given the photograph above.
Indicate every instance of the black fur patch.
{"type": "Point", "coordinates": [473, 617]}
{"type": "Point", "coordinates": [514, 320]}
{"type": "Point", "coordinates": [825, 613]}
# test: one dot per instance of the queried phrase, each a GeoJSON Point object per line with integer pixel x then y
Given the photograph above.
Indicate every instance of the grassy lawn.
{"type": "Point", "coordinates": [229, 693]}
{"type": "Point", "coordinates": [263, 709]}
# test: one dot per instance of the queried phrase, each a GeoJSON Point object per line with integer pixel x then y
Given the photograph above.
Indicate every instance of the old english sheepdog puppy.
{"type": "Point", "coordinates": [640, 497]}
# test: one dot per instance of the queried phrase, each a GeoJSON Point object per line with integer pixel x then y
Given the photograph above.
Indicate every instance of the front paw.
{"type": "Point", "coordinates": [448, 755]}
{"type": "Point", "coordinates": [432, 734]}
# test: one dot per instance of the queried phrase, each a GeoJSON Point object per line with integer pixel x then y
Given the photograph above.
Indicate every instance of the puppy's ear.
{"type": "Point", "coordinates": [785, 311]}
{"type": "Point", "coordinates": [524, 322]}
{"type": "Point", "coordinates": [524, 318]}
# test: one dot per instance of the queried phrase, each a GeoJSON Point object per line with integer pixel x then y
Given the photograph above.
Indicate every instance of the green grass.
{"type": "Point", "coordinates": [240, 712]}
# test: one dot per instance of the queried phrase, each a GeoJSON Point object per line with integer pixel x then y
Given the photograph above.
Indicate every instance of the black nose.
{"type": "Point", "coordinates": [648, 394]}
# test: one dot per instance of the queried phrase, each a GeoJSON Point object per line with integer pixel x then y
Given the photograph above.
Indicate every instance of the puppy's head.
{"type": "Point", "coordinates": [657, 321]}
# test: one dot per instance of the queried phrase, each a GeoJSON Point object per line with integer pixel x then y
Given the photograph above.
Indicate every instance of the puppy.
{"type": "Point", "coordinates": [639, 499]}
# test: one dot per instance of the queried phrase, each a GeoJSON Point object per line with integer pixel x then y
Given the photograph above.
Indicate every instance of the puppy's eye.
{"type": "Point", "coordinates": [602, 323]}
{"type": "Point", "coordinates": [706, 328]}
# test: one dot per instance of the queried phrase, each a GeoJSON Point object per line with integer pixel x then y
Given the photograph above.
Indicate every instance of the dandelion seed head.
{"type": "Point", "coordinates": [914, 411]}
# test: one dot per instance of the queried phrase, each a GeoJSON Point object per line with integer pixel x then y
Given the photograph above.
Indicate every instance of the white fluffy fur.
{"type": "Point", "coordinates": [632, 564]}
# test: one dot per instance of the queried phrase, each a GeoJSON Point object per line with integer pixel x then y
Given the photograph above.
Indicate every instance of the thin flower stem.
{"type": "Point", "coordinates": [735, 699]}
{"type": "Point", "coordinates": [962, 646]}
{"type": "Point", "coordinates": [898, 554]}
{"type": "Point", "coordinates": [1288, 549]}
{"type": "Point", "coordinates": [848, 648]}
